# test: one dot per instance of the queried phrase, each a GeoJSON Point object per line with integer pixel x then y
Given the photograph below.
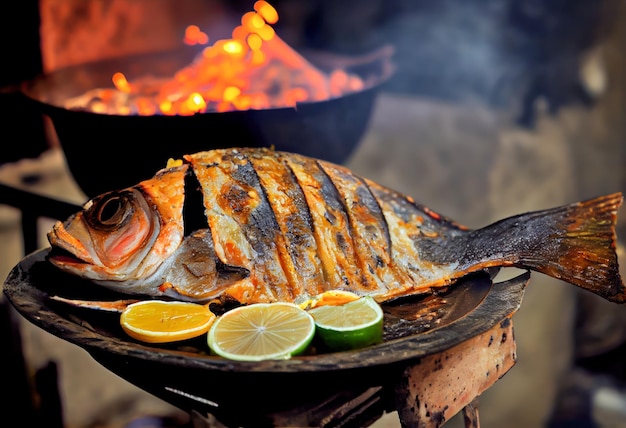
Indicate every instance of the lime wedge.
{"type": "Point", "coordinates": [262, 331]}
{"type": "Point", "coordinates": [353, 325]}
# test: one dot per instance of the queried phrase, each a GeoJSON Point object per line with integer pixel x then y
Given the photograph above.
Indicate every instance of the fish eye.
{"type": "Point", "coordinates": [110, 211]}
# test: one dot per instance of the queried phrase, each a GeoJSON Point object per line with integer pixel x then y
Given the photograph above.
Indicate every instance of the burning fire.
{"type": "Point", "coordinates": [255, 69]}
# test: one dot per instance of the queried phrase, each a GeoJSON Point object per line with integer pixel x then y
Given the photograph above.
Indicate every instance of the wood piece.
{"type": "Point", "coordinates": [441, 385]}
{"type": "Point", "coordinates": [470, 414]}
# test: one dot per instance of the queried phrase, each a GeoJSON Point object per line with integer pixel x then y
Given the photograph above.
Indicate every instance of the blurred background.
{"type": "Point", "coordinates": [496, 107]}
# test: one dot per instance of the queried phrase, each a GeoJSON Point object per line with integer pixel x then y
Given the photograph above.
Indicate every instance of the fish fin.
{"type": "Point", "coordinates": [229, 274]}
{"type": "Point", "coordinates": [195, 273]}
{"type": "Point", "coordinates": [109, 306]}
{"type": "Point", "coordinates": [575, 243]}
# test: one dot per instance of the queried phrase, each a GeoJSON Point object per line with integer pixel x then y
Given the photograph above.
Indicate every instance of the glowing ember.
{"type": "Point", "coordinates": [255, 69]}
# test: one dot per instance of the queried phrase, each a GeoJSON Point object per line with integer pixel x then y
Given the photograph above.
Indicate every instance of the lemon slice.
{"type": "Point", "coordinates": [157, 321]}
{"type": "Point", "coordinates": [262, 331]}
{"type": "Point", "coordinates": [353, 325]}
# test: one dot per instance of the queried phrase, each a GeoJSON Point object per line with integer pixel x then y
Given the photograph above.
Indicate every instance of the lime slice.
{"type": "Point", "coordinates": [262, 331]}
{"type": "Point", "coordinates": [157, 321]}
{"type": "Point", "coordinates": [353, 325]}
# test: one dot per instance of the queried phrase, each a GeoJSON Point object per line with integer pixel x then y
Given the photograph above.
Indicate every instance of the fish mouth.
{"type": "Point", "coordinates": [61, 257]}
{"type": "Point", "coordinates": [68, 250]}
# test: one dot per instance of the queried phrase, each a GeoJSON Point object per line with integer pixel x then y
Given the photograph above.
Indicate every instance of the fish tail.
{"type": "Point", "coordinates": [575, 243]}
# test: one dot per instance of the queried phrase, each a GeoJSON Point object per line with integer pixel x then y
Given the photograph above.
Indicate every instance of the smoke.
{"type": "Point", "coordinates": [503, 53]}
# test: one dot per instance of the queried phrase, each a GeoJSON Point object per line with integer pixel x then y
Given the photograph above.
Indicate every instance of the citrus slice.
{"type": "Point", "coordinates": [157, 321]}
{"type": "Point", "coordinates": [330, 297]}
{"type": "Point", "coordinates": [262, 331]}
{"type": "Point", "coordinates": [353, 325]}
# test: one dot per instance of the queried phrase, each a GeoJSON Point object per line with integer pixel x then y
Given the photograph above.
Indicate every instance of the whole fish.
{"type": "Point", "coordinates": [258, 225]}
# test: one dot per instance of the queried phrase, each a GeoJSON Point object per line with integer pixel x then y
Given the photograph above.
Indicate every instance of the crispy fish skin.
{"type": "Point", "coordinates": [285, 227]}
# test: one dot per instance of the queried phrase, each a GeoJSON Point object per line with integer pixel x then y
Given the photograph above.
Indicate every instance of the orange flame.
{"type": "Point", "coordinates": [120, 82]}
{"type": "Point", "coordinates": [254, 69]}
{"type": "Point", "coordinates": [193, 36]}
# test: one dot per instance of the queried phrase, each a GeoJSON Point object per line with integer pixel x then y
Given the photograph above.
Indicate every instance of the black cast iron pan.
{"type": "Point", "coordinates": [188, 376]}
{"type": "Point", "coordinates": [107, 152]}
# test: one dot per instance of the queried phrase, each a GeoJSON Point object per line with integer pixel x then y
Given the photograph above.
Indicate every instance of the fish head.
{"type": "Point", "coordinates": [123, 235]}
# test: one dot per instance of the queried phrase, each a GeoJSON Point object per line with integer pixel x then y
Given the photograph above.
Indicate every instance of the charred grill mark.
{"type": "Point", "coordinates": [335, 200]}
{"type": "Point", "coordinates": [335, 194]}
{"type": "Point", "coordinates": [260, 216]}
{"type": "Point", "coordinates": [261, 227]}
{"type": "Point", "coordinates": [369, 229]}
{"type": "Point", "coordinates": [298, 226]}
{"type": "Point", "coordinates": [344, 236]}
{"type": "Point", "coordinates": [194, 217]}
{"type": "Point", "coordinates": [303, 212]}
{"type": "Point", "coordinates": [328, 218]}
{"type": "Point", "coordinates": [295, 244]}
{"type": "Point", "coordinates": [341, 241]}
{"type": "Point", "coordinates": [404, 223]}
{"type": "Point", "coordinates": [294, 233]}
{"type": "Point", "coordinates": [303, 236]}
{"type": "Point", "coordinates": [236, 199]}
{"type": "Point", "coordinates": [365, 194]}
{"type": "Point", "coordinates": [331, 195]}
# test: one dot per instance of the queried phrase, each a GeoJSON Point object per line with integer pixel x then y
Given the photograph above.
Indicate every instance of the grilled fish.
{"type": "Point", "coordinates": [258, 225]}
